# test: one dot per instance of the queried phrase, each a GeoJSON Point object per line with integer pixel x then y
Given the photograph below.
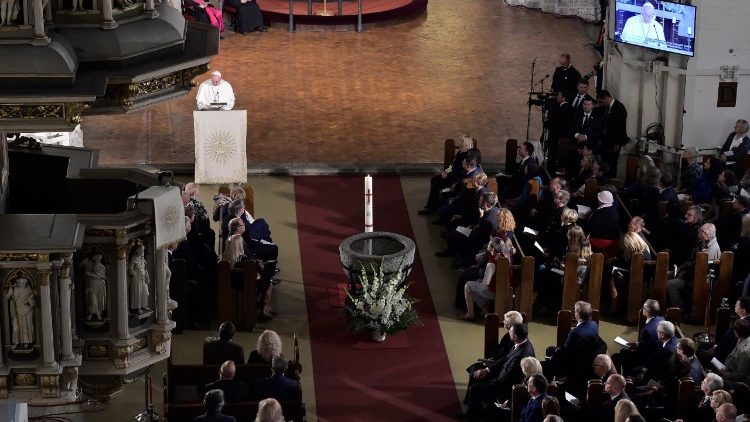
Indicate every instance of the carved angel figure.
{"type": "Point", "coordinates": [138, 279]}
{"type": "Point", "coordinates": [8, 11]}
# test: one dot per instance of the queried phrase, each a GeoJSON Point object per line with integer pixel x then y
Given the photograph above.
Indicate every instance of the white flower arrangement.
{"type": "Point", "coordinates": [381, 304]}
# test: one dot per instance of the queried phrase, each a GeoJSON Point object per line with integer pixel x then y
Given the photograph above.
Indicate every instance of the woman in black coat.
{"type": "Point", "coordinates": [249, 17]}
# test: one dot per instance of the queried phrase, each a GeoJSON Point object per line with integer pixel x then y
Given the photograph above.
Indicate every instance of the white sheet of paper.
{"type": "Point", "coordinates": [621, 341]}
{"type": "Point", "coordinates": [463, 230]}
{"type": "Point", "coordinates": [744, 193]}
{"type": "Point", "coordinates": [572, 399]}
{"type": "Point", "coordinates": [729, 153]}
{"type": "Point", "coordinates": [446, 190]}
{"type": "Point", "coordinates": [718, 365]}
{"type": "Point", "coordinates": [557, 271]}
{"type": "Point", "coordinates": [530, 231]}
{"type": "Point", "coordinates": [538, 246]}
{"type": "Point", "coordinates": [584, 211]}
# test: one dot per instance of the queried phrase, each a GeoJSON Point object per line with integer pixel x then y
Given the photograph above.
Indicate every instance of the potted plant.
{"type": "Point", "coordinates": [381, 305]}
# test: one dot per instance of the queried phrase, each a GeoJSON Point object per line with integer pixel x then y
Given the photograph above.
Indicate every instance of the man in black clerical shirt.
{"type": "Point", "coordinates": [614, 118]}
{"type": "Point", "coordinates": [566, 76]}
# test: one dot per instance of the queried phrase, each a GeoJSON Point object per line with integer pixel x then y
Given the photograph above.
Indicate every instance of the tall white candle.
{"type": "Point", "coordinates": [368, 203]}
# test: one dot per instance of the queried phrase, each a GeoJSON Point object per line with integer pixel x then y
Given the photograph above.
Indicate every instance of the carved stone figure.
{"type": "Point", "coordinates": [138, 279]}
{"type": "Point", "coordinates": [8, 11]}
{"type": "Point", "coordinates": [96, 287]}
{"type": "Point", "coordinates": [21, 304]}
{"type": "Point", "coordinates": [77, 5]}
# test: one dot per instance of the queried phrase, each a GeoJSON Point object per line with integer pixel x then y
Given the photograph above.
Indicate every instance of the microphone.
{"type": "Point", "coordinates": [534, 62]}
{"type": "Point", "coordinates": [543, 79]}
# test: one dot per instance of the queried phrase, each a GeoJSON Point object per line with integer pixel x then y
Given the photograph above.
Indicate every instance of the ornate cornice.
{"type": "Point", "coordinates": [32, 111]}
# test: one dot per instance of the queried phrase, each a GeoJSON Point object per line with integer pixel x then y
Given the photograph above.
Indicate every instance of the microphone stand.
{"type": "Point", "coordinates": [531, 89]}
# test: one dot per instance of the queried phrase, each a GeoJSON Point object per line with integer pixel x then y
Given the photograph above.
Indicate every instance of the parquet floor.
{"type": "Point", "coordinates": [388, 95]}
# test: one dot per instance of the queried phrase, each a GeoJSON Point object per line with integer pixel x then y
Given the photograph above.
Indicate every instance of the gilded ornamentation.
{"type": "Point", "coordinates": [44, 277]}
{"type": "Point", "coordinates": [65, 268]}
{"type": "Point", "coordinates": [24, 379]}
{"type": "Point", "coordinates": [73, 112]}
{"type": "Point", "coordinates": [160, 83]}
{"type": "Point", "coordinates": [190, 74]}
{"type": "Point", "coordinates": [97, 351]}
{"type": "Point", "coordinates": [21, 257]}
{"type": "Point", "coordinates": [122, 251]}
{"type": "Point", "coordinates": [32, 111]}
{"type": "Point", "coordinates": [121, 234]}
{"type": "Point", "coordinates": [69, 377]}
{"type": "Point", "coordinates": [160, 340]}
{"type": "Point", "coordinates": [140, 344]}
{"type": "Point", "coordinates": [122, 356]}
{"type": "Point", "coordinates": [50, 386]}
{"type": "Point", "coordinates": [3, 387]}
{"type": "Point", "coordinates": [42, 257]}
{"type": "Point", "coordinates": [100, 232]}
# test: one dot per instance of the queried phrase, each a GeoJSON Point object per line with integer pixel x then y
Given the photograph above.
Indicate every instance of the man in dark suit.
{"type": "Point", "coordinates": [501, 376]}
{"type": "Point", "coordinates": [217, 350]}
{"type": "Point", "coordinates": [558, 125]}
{"type": "Point", "coordinates": [614, 129]}
{"type": "Point", "coordinates": [587, 126]}
{"type": "Point", "coordinates": [658, 363]}
{"type": "Point", "coordinates": [503, 348]}
{"type": "Point", "coordinates": [528, 168]}
{"type": "Point", "coordinates": [686, 347]}
{"type": "Point", "coordinates": [582, 93]}
{"type": "Point", "coordinates": [729, 229]}
{"type": "Point", "coordinates": [537, 386]}
{"type": "Point", "coordinates": [727, 341]}
{"type": "Point", "coordinates": [234, 391]}
{"type": "Point", "coordinates": [467, 246]}
{"type": "Point", "coordinates": [456, 204]}
{"type": "Point", "coordinates": [278, 386]}
{"type": "Point", "coordinates": [566, 76]}
{"type": "Point", "coordinates": [214, 402]}
{"type": "Point", "coordinates": [615, 388]}
{"type": "Point", "coordinates": [634, 355]}
{"type": "Point", "coordinates": [603, 367]}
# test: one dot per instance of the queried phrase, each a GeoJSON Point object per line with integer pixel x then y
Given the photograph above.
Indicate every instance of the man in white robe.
{"type": "Point", "coordinates": [643, 29]}
{"type": "Point", "coordinates": [215, 90]}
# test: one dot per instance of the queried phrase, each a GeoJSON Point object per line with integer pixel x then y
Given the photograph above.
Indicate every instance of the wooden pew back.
{"type": "Point", "coordinates": [521, 298]}
{"type": "Point", "coordinates": [722, 284]}
{"type": "Point", "coordinates": [571, 288]}
{"type": "Point", "coordinates": [237, 305]}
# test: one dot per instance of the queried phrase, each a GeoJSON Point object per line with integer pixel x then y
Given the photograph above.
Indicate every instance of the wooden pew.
{"type": "Point", "coordinates": [596, 396]}
{"type": "Point", "coordinates": [673, 315]}
{"type": "Point", "coordinates": [686, 397]}
{"type": "Point", "coordinates": [632, 167]}
{"type": "Point", "coordinates": [566, 321]}
{"type": "Point", "coordinates": [511, 150]}
{"type": "Point", "coordinates": [564, 151]}
{"type": "Point", "coordinates": [521, 298]}
{"type": "Point", "coordinates": [637, 283]}
{"type": "Point", "coordinates": [241, 305]}
{"type": "Point", "coordinates": [571, 288]}
{"type": "Point", "coordinates": [724, 320]}
{"type": "Point", "coordinates": [242, 412]}
{"type": "Point", "coordinates": [725, 209]}
{"type": "Point", "coordinates": [590, 190]}
{"type": "Point", "coordinates": [492, 185]}
{"type": "Point", "coordinates": [177, 291]}
{"type": "Point", "coordinates": [520, 398]}
{"type": "Point", "coordinates": [722, 284]}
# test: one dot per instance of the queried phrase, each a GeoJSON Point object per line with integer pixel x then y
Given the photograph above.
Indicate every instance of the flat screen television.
{"type": "Point", "coordinates": [661, 25]}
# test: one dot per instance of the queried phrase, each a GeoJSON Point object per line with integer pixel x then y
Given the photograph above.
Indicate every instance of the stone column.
{"type": "Point", "coordinates": [48, 350]}
{"type": "Point", "coordinates": [122, 291]}
{"type": "Point", "coordinates": [108, 22]}
{"type": "Point", "coordinates": [150, 10]}
{"type": "Point", "coordinates": [66, 326]}
{"type": "Point", "coordinates": [40, 38]}
{"type": "Point", "coordinates": [161, 287]}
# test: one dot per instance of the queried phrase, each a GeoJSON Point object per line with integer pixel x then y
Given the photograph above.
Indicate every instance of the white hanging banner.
{"type": "Point", "coordinates": [220, 149]}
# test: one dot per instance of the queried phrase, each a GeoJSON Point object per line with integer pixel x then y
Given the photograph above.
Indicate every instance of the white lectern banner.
{"type": "Point", "coordinates": [220, 150]}
{"type": "Point", "coordinates": [169, 213]}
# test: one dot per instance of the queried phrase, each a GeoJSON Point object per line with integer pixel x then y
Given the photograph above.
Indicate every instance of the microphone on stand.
{"type": "Point", "coordinates": [542, 80]}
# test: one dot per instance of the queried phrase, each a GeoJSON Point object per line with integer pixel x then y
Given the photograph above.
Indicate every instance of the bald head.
{"type": "Point", "coordinates": [227, 370]}
{"type": "Point", "coordinates": [615, 385]}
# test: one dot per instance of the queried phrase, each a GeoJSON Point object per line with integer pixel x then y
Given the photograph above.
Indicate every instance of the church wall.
{"type": "Point", "coordinates": [678, 82]}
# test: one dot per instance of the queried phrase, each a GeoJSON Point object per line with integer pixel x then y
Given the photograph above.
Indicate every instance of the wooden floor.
{"type": "Point", "coordinates": [388, 95]}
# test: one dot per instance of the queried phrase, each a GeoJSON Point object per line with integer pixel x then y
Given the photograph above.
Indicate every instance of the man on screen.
{"type": "Point", "coordinates": [213, 92]}
{"type": "Point", "coordinates": [643, 29]}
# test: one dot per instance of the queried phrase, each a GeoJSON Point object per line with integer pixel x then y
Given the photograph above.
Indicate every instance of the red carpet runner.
{"type": "Point", "coordinates": [403, 384]}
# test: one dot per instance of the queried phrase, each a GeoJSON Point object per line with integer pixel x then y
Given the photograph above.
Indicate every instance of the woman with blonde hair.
{"type": "Point", "coordinates": [530, 366]}
{"type": "Point", "coordinates": [633, 242]}
{"type": "Point", "coordinates": [269, 346]}
{"type": "Point", "coordinates": [234, 251]}
{"type": "Point", "coordinates": [448, 177]}
{"type": "Point", "coordinates": [720, 397]}
{"type": "Point", "coordinates": [269, 410]}
{"type": "Point", "coordinates": [625, 409]}
{"type": "Point", "coordinates": [549, 286]}
{"type": "Point", "coordinates": [481, 291]}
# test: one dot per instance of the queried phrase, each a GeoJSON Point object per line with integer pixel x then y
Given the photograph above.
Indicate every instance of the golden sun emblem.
{"type": "Point", "coordinates": [220, 147]}
{"type": "Point", "coordinates": [169, 217]}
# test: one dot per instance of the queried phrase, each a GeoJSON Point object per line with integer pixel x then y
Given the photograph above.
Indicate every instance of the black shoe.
{"type": "Point", "coordinates": [425, 211]}
{"type": "Point", "coordinates": [443, 254]}
{"type": "Point", "coordinates": [278, 270]}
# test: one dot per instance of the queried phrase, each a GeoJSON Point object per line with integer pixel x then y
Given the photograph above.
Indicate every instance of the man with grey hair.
{"type": "Point", "coordinates": [681, 287]}
{"type": "Point", "coordinates": [466, 246]}
{"type": "Point", "coordinates": [703, 410]}
{"type": "Point", "coordinates": [213, 402]}
{"type": "Point", "coordinates": [603, 367]}
{"type": "Point", "coordinates": [278, 386]}
{"type": "Point", "coordinates": [503, 348]}
{"type": "Point", "coordinates": [658, 363]}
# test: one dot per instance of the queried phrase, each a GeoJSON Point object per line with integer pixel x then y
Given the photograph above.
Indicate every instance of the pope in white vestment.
{"type": "Point", "coordinates": [215, 90]}
{"type": "Point", "coordinates": [643, 28]}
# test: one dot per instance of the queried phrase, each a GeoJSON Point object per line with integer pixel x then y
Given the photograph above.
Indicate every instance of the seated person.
{"type": "Point", "coordinates": [511, 186]}
{"type": "Point", "coordinates": [658, 363]}
{"type": "Point", "coordinates": [278, 386]}
{"type": "Point", "coordinates": [648, 340]}
{"type": "Point", "coordinates": [633, 242]}
{"type": "Point", "coordinates": [729, 229]}
{"type": "Point", "coordinates": [603, 367]}
{"type": "Point", "coordinates": [448, 177]}
{"type": "Point", "coordinates": [738, 362]}
{"type": "Point", "coordinates": [550, 284]}
{"type": "Point", "coordinates": [545, 209]}
{"type": "Point", "coordinates": [604, 225]}
{"type": "Point", "coordinates": [537, 387]}
{"type": "Point", "coordinates": [685, 236]}
{"type": "Point", "coordinates": [213, 403]}
{"type": "Point", "coordinates": [615, 389]}
{"type": "Point", "coordinates": [217, 350]}
{"type": "Point", "coordinates": [727, 412]}
{"type": "Point", "coordinates": [599, 172]}
{"type": "Point", "coordinates": [458, 201]}
{"type": "Point", "coordinates": [726, 342]}
{"type": "Point", "coordinates": [466, 247]}
{"type": "Point", "coordinates": [269, 410]}
{"type": "Point", "coordinates": [482, 291]}
{"type": "Point", "coordinates": [737, 145]}
{"type": "Point", "coordinates": [234, 391]}
{"type": "Point", "coordinates": [268, 347]}
{"type": "Point", "coordinates": [686, 347]}
{"type": "Point", "coordinates": [494, 383]}
{"type": "Point", "coordinates": [682, 284]}
{"type": "Point", "coordinates": [710, 384]}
